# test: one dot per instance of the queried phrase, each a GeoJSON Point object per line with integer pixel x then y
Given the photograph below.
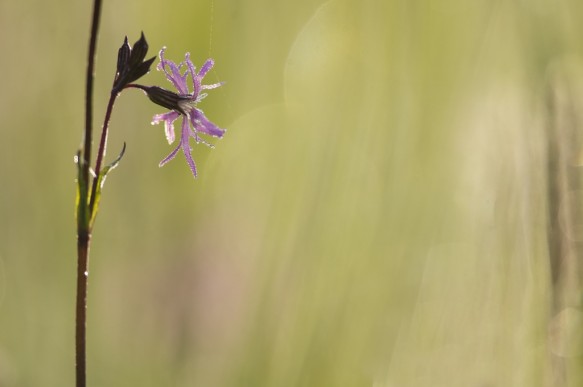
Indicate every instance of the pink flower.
{"type": "Point", "coordinates": [184, 104]}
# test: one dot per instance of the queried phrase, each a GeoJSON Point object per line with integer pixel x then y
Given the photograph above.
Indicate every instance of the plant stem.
{"type": "Point", "coordinates": [83, 240]}
{"type": "Point", "coordinates": [89, 87]}
{"type": "Point", "coordinates": [102, 147]}
{"type": "Point", "coordinates": [83, 227]}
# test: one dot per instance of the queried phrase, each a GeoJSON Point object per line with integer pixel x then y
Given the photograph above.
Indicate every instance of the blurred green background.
{"type": "Point", "coordinates": [395, 203]}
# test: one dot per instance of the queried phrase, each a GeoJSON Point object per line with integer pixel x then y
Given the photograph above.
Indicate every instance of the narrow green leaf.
{"type": "Point", "coordinates": [82, 200]}
{"type": "Point", "coordinates": [101, 180]}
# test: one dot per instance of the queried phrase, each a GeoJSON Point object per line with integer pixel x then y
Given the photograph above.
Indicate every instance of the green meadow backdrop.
{"type": "Point", "coordinates": [397, 201]}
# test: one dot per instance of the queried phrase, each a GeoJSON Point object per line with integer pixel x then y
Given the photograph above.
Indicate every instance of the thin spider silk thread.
{"type": "Point", "coordinates": [212, 24]}
{"type": "Point", "coordinates": [2, 281]}
{"type": "Point", "coordinates": [211, 27]}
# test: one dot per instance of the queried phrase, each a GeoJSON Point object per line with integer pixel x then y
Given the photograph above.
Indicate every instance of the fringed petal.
{"type": "Point", "coordinates": [213, 86]}
{"type": "Point", "coordinates": [190, 161]}
{"type": "Point", "coordinates": [185, 145]}
{"type": "Point", "coordinates": [192, 71]}
{"type": "Point", "coordinates": [206, 68]}
{"type": "Point", "coordinates": [173, 74]}
{"type": "Point", "coordinates": [202, 124]}
{"type": "Point", "coordinates": [168, 119]}
{"type": "Point", "coordinates": [170, 156]}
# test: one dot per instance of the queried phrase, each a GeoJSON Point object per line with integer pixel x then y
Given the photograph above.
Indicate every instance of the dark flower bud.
{"type": "Point", "coordinates": [123, 55]}
{"type": "Point", "coordinates": [139, 51]}
{"type": "Point", "coordinates": [141, 70]}
{"type": "Point", "coordinates": [130, 63]}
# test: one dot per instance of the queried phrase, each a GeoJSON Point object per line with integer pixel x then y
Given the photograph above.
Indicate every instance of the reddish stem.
{"type": "Point", "coordinates": [102, 147]}
{"type": "Point", "coordinates": [83, 230]}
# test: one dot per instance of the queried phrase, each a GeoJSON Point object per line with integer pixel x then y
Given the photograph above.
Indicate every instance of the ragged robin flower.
{"type": "Point", "coordinates": [183, 104]}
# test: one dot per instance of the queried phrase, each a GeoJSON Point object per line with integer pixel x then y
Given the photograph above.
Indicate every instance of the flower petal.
{"type": "Point", "coordinates": [170, 156]}
{"type": "Point", "coordinates": [202, 124]}
{"type": "Point", "coordinates": [191, 70]}
{"type": "Point", "coordinates": [199, 139]}
{"type": "Point", "coordinates": [185, 145]}
{"type": "Point", "coordinates": [171, 115]}
{"type": "Point", "coordinates": [213, 86]}
{"type": "Point", "coordinates": [173, 75]}
{"type": "Point", "coordinates": [206, 67]}
{"type": "Point", "coordinates": [168, 119]}
{"type": "Point", "coordinates": [197, 78]}
{"type": "Point", "coordinates": [189, 160]}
